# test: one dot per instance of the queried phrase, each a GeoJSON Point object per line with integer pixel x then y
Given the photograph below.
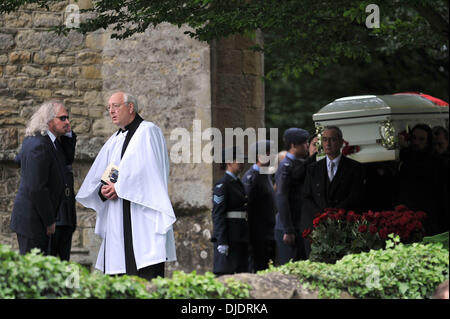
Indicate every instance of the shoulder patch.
{"type": "Point", "coordinates": [287, 164]}
{"type": "Point", "coordinates": [218, 199]}
{"type": "Point", "coordinates": [219, 185]}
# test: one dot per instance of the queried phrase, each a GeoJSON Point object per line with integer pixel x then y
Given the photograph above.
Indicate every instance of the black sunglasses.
{"type": "Point", "coordinates": [63, 118]}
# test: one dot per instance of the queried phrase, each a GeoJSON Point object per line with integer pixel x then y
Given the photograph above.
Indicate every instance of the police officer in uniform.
{"type": "Point", "coordinates": [230, 218]}
{"type": "Point", "coordinates": [261, 208]}
{"type": "Point", "coordinates": [289, 179]}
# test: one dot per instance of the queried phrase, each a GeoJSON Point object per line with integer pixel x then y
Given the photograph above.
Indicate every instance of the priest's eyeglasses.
{"type": "Point", "coordinates": [114, 106]}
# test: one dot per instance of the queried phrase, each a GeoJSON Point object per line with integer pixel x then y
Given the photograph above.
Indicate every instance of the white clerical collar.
{"type": "Point", "coordinates": [335, 161]}
{"type": "Point", "coordinates": [232, 175]}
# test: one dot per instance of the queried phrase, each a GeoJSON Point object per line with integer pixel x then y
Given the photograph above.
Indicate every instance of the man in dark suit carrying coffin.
{"type": "Point", "coordinates": [42, 183]}
{"type": "Point", "coordinates": [335, 181]}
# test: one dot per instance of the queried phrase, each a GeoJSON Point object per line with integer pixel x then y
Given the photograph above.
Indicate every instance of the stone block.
{"type": "Point", "coordinates": [66, 60]}
{"type": "Point", "coordinates": [91, 72]}
{"type": "Point", "coordinates": [243, 42]}
{"type": "Point", "coordinates": [65, 93]}
{"type": "Point", "coordinates": [33, 71]}
{"type": "Point", "coordinates": [46, 19]}
{"type": "Point", "coordinates": [81, 125]}
{"type": "Point", "coordinates": [96, 41]}
{"type": "Point", "coordinates": [82, 4]}
{"type": "Point", "coordinates": [86, 219]}
{"type": "Point", "coordinates": [21, 83]}
{"type": "Point", "coordinates": [229, 62]}
{"type": "Point", "coordinates": [44, 58]}
{"type": "Point", "coordinates": [252, 63]}
{"type": "Point", "coordinates": [17, 20]}
{"type": "Point", "coordinates": [58, 71]}
{"type": "Point", "coordinates": [103, 127]}
{"type": "Point", "coordinates": [89, 84]}
{"type": "Point", "coordinates": [73, 72]}
{"type": "Point", "coordinates": [75, 110]}
{"type": "Point", "coordinates": [8, 138]}
{"type": "Point", "coordinates": [92, 98]}
{"type": "Point", "coordinates": [96, 112]}
{"type": "Point", "coordinates": [6, 41]}
{"type": "Point", "coordinates": [89, 58]}
{"type": "Point", "coordinates": [5, 220]}
{"type": "Point", "coordinates": [19, 57]}
{"type": "Point", "coordinates": [11, 70]}
{"type": "Point", "coordinates": [3, 58]}
{"type": "Point", "coordinates": [29, 39]}
{"type": "Point", "coordinates": [42, 93]}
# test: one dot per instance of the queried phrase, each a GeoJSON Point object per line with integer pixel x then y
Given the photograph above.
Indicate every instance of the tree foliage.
{"type": "Point", "coordinates": [319, 33]}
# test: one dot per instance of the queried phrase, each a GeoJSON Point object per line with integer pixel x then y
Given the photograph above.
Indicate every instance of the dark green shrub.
{"type": "Point", "coordinates": [194, 286]}
{"type": "Point", "coordinates": [38, 276]}
{"type": "Point", "coordinates": [399, 271]}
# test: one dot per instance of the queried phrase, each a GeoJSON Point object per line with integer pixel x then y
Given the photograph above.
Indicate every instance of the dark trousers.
{"type": "Point", "coordinates": [61, 242]}
{"type": "Point", "coordinates": [27, 244]}
{"type": "Point", "coordinates": [261, 252]}
{"type": "Point", "coordinates": [235, 262]}
{"type": "Point", "coordinates": [287, 252]}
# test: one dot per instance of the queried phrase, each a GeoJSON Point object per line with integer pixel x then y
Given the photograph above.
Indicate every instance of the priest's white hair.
{"type": "Point", "coordinates": [128, 98]}
{"type": "Point", "coordinates": [38, 123]}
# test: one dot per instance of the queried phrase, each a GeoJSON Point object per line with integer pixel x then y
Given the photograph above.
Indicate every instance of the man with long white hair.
{"type": "Point", "coordinates": [127, 187]}
{"type": "Point", "coordinates": [42, 200]}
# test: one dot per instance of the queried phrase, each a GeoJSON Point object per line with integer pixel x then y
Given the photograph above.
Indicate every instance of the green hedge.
{"type": "Point", "coordinates": [38, 276]}
{"type": "Point", "coordinates": [399, 271]}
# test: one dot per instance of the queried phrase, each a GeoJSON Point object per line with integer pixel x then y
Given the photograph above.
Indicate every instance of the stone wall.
{"type": "Point", "coordinates": [176, 79]}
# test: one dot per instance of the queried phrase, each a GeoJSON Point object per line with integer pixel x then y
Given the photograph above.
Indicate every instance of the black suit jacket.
{"type": "Point", "coordinates": [289, 179]}
{"type": "Point", "coordinates": [345, 191]}
{"type": "Point", "coordinates": [67, 214]}
{"type": "Point", "coordinates": [229, 195]}
{"type": "Point", "coordinates": [40, 190]}
{"type": "Point", "coordinates": [261, 205]}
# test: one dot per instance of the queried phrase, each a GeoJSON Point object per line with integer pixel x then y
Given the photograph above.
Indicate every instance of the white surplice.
{"type": "Point", "coordinates": [143, 179]}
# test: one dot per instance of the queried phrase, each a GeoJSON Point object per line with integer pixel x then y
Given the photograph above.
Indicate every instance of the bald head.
{"type": "Point", "coordinates": [121, 110]}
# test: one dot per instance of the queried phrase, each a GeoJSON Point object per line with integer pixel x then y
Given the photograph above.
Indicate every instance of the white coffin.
{"type": "Point", "coordinates": [373, 122]}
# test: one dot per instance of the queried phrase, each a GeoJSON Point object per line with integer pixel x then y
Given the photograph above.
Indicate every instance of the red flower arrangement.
{"type": "Point", "coordinates": [338, 232]}
{"type": "Point", "coordinates": [347, 150]}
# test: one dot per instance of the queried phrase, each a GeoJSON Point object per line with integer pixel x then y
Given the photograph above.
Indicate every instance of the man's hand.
{"type": "Point", "coordinates": [289, 239]}
{"type": "Point", "coordinates": [51, 229]}
{"type": "Point", "coordinates": [108, 191]}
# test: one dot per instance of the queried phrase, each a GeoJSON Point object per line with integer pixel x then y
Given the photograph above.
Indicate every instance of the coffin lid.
{"type": "Point", "coordinates": [373, 105]}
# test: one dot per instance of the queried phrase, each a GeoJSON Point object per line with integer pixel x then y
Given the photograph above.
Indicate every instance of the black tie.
{"type": "Point", "coordinates": [60, 152]}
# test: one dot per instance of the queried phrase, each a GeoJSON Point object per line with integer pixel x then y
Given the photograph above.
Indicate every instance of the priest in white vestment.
{"type": "Point", "coordinates": [134, 212]}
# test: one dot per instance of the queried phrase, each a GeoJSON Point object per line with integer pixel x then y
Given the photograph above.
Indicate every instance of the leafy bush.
{"type": "Point", "coordinates": [36, 276]}
{"type": "Point", "coordinates": [399, 271]}
{"type": "Point", "coordinates": [194, 286]}
{"type": "Point", "coordinates": [441, 238]}
{"type": "Point", "coordinates": [337, 232]}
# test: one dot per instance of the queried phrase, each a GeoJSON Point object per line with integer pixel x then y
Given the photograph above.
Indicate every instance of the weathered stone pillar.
{"type": "Point", "coordinates": [237, 86]}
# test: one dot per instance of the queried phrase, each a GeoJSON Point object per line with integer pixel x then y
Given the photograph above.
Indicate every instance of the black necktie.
{"type": "Point", "coordinates": [60, 152]}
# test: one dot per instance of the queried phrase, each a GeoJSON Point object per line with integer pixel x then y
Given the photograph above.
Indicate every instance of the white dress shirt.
{"type": "Point", "coordinates": [332, 172]}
